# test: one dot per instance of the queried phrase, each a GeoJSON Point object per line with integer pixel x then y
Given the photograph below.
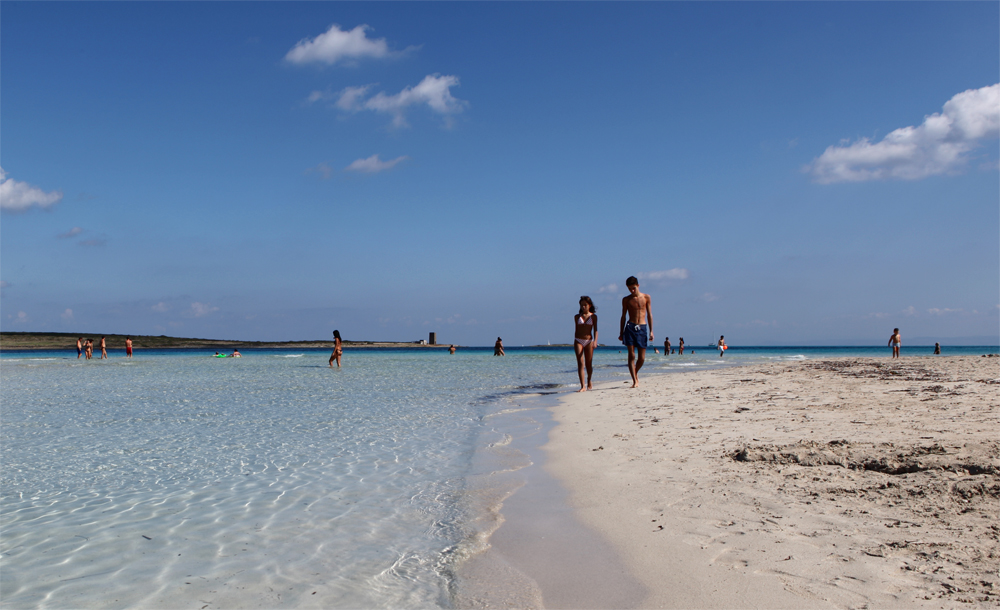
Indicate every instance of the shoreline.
{"type": "Point", "coordinates": [10, 341]}
{"type": "Point", "coordinates": [836, 482]}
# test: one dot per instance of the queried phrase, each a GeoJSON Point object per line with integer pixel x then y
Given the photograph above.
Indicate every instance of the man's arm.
{"type": "Point", "coordinates": [621, 325]}
{"type": "Point", "coordinates": [649, 315]}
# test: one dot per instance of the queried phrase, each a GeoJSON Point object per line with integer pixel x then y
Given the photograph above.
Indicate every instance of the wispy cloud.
{"type": "Point", "coordinates": [22, 318]}
{"type": "Point", "coordinates": [160, 307]}
{"type": "Point", "coordinates": [940, 145]}
{"type": "Point", "coordinates": [67, 315]}
{"type": "Point", "coordinates": [610, 288]}
{"type": "Point", "coordinates": [337, 45]}
{"type": "Point", "coordinates": [708, 297]}
{"type": "Point", "coordinates": [202, 309]}
{"type": "Point", "coordinates": [677, 273]}
{"type": "Point", "coordinates": [323, 169]}
{"type": "Point", "coordinates": [18, 196]}
{"type": "Point", "coordinates": [71, 233]}
{"type": "Point", "coordinates": [373, 165]}
{"type": "Point", "coordinates": [5, 284]}
{"type": "Point", "coordinates": [434, 91]}
{"type": "Point", "coordinates": [934, 311]}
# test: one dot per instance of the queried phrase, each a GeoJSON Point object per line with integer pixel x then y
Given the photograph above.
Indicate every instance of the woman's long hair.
{"type": "Point", "coordinates": [589, 301]}
{"type": "Point", "coordinates": [336, 335]}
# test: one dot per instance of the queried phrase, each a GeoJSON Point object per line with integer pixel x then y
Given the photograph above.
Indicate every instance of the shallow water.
{"type": "Point", "coordinates": [271, 480]}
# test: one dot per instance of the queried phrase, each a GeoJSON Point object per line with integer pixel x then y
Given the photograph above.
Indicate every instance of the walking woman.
{"type": "Point", "coordinates": [337, 349]}
{"type": "Point", "coordinates": [586, 341]}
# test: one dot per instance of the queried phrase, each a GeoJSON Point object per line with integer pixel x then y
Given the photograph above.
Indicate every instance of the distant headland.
{"type": "Point", "coordinates": [57, 341]}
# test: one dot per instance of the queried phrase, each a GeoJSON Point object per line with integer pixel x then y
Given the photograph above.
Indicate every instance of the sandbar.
{"type": "Point", "coordinates": [833, 483]}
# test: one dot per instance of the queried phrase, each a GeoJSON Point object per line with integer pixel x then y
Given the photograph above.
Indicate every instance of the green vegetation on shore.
{"type": "Point", "coordinates": [57, 341]}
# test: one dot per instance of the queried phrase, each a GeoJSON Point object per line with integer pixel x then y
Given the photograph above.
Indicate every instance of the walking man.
{"type": "Point", "coordinates": [639, 329]}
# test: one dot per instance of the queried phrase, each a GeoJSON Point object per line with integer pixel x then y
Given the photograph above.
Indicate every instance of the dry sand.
{"type": "Point", "coordinates": [840, 483]}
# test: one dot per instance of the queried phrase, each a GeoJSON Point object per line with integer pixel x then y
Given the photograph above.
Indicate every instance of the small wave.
{"type": "Point", "coordinates": [795, 357]}
{"type": "Point", "coordinates": [289, 355]}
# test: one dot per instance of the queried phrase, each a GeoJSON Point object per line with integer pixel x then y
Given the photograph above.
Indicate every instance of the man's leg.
{"type": "Point", "coordinates": [638, 364]}
{"type": "Point", "coordinates": [631, 366]}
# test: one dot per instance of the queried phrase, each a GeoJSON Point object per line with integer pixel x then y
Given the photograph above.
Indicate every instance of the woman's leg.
{"type": "Point", "coordinates": [580, 363]}
{"type": "Point", "coordinates": [589, 353]}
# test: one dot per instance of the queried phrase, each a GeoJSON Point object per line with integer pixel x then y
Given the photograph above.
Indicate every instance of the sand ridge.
{"type": "Point", "coordinates": [836, 483]}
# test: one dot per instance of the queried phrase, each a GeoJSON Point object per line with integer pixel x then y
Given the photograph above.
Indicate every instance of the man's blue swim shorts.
{"type": "Point", "coordinates": [635, 335]}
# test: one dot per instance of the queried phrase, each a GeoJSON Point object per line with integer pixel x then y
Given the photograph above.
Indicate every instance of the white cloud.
{"type": "Point", "coordinates": [202, 309]}
{"type": "Point", "coordinates": [940, 145]}
{"type": "Point", "coordinates": [19, 196]}
{"type": "Point", "coordinates": [67, 315]}
{"type": "Point", "coordinates": [22, 318]}
{"type": "Point", "coordinates": [934, 311]}
{"type": "Point", "coordinates": [676, 273]}
{"type": "Point", "coordinates": [71, 233]}
{"type": "Point", "coordinates": [708, 297]}
{"type": "Point", "coordinates": [336, 45]}
{"type": "Point", "coordinates": [434, 92]}
{"type": "Point", "coordinates": [351, 98]}
{"type": "Point", "coordinates": [160, 307]}
{"type": "Point", "coordinates": [612, 288]}
{"type": "Point", "coordinates": [910, 311]}
{"type": "Point", "coordinates": [373, 165]}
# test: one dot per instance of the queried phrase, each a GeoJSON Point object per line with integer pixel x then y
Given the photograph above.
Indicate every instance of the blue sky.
{"type": "Point", "coordinates": [787, 173]}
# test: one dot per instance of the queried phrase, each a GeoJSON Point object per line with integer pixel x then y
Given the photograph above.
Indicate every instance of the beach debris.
{"type": "Point", "coordinates": [601, 448]}
{"type": "Point", "coordinates": [146, 537]}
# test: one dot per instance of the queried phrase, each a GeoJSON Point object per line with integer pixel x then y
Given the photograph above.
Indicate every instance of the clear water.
{"type": "Point", "coordinates": [178, 479]}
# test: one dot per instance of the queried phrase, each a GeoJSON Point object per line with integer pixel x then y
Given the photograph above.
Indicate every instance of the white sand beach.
{"type": "Point", "coordinates": [837, 483]}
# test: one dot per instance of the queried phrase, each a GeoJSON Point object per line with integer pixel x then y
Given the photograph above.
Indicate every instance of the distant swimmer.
{"type": "Point", "coordinates": [894, 342]}
{"type": "Point", "coordinates": [634, 333]}
{"type": "Point", "coordinates": [680, 347]}
{"type": "Point", "coordinates": [498, 348]}
{"type": "Point", "coordinates": [236, 354]}
{"type": "Point", "coordinates": [128, 347]}
{"type": "Point", "coordinates": [585, 341]}
{"type": "Point", "coordinates": [451, 350]}
{"type": "Point", "coordinates": [666, 347]}
{"type": "Point", "coordinates": [79, 347]}
{"type": "Point", "coordinates": [104, 349]}
{"type": "Point", "coordinates": [722, 346]}
{"type": "Point", "coordinates": [937, 348]}
{"type": "Point", "coordinates": [338, 349]}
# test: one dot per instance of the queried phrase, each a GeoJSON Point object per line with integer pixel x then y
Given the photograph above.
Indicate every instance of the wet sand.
{"type": "Point", "coordinates": [837, 483]}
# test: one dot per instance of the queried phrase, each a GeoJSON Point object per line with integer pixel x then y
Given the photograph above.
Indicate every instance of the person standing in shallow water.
{"type": "Point", "coordinates": [338, 349]}
{"type": "Point", "coordinates": [104, 348]}
{"type": "Point", "coordinates": [894, 342]}
{"type": "Point", "coordinates": [498, 348]}
{"type": "Point", "coordinates": [722, 345]}
{"type": "Point", "coordinates": [79, 347]}
{"type": "Point", "coordinates": [680, 347]}
{"type": "Point", "coordinates": [128, 347]}
{"type": "Point", "coordinates": [666, 347]}
{"type": "Point", "coordinates": [585, 341]}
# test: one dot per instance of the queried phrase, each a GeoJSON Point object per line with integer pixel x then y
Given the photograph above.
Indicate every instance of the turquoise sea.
{"type": "Point", "coordinates": [176, 479]}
